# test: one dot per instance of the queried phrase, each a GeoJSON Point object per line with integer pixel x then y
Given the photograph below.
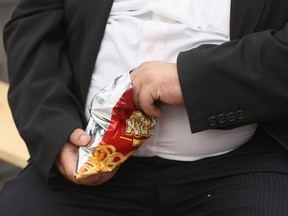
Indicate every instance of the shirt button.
{"type": "Point", "coordinates": [174, 2]}
{"type": "Point", "coordinates": [163, 19]}
{"type": "Point", "coordinates": [150, 49]}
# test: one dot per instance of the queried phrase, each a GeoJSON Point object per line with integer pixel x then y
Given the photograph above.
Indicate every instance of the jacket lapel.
{"type": "Point", "coordinates": [94, 23]}
{"type": "Point", "coordinates": [245, 15]}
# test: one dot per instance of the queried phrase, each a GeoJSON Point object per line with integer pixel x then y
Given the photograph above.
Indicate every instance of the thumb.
{"type": "Point", "coordinates": [79, 137]}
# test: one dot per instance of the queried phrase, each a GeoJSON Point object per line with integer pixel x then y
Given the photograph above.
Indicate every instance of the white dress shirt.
{"type": "Point", "coordinates": [143, 30]}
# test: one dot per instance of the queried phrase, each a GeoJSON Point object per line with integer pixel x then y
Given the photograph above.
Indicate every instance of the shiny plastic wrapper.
{"type": "Point", "coordinates": [117, 129]}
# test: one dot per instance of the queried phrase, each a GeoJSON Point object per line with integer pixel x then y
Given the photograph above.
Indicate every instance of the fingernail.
{"type": "Point", "coordinates": [84, 139]}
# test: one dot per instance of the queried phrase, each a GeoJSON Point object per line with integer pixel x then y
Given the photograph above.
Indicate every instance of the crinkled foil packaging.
{"type": "Point", "coordinates": [117, 129]}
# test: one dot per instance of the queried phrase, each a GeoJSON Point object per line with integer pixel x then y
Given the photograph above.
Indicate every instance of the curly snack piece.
{"type": "Point", "coordinates": [104, 159]}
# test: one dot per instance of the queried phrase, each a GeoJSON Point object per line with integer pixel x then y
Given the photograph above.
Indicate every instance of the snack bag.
{"type": "Point", "coordinates": [117, 129]}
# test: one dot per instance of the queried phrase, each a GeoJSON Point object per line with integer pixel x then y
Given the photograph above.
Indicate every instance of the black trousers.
{"type": "Point", "coordinates": [249, 181]}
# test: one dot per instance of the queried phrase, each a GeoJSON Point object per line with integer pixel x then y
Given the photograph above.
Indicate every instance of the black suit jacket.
{"type": "Point", "coordinates": [52, 46]}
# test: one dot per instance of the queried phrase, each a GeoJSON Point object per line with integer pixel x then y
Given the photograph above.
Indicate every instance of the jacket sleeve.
{"type": "Point", "coordinates": [239, 82]}
{"type": "Point", "coordinates": [41, 96]}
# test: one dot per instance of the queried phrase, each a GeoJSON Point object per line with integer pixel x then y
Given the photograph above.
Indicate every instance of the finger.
{"type": "Point", "coordinates": [67, 160]}
{"type": "Point", "coordinates": [97, 179]}
{"type": "Point", "coordinates": [93, 180]}
{"type": "Point", "coordinates": [152, 110]}
{"type": "Point", "coordinates": [136, 90]}
{"type": "Point", "coordinates": [79, 137]}
{"type": "Point", "coordinates": [147, 102]}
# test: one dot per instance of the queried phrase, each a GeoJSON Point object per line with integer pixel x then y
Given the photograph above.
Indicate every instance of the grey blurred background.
{"type": "Point", "coordinates": [6, 9]}
{"type": "Point", "coordinates": [7, 171]}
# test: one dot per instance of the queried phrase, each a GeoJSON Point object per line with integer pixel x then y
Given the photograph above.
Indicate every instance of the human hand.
{"type": "Point", "coordinates": [67, 160]}
{"type": "Point", "coordinates": [155, 82]}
